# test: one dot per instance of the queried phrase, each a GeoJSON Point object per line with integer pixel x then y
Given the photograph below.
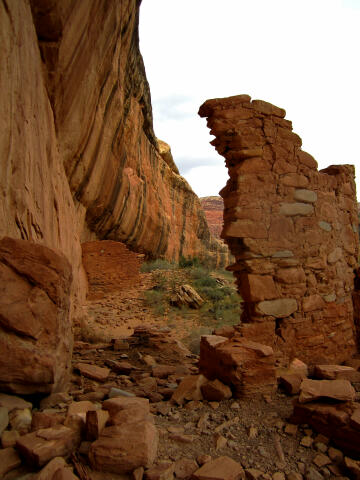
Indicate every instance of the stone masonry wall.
{"type": "Point", "coordinates": [292, 230]}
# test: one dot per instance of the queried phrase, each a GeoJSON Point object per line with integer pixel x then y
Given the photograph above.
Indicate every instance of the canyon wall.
{"type": "Point", "coordinates": [78, 157]}
{"type": "Point", "coordinates": [214, 211]}
{"type": "Point", "coordinates": [292, 230]}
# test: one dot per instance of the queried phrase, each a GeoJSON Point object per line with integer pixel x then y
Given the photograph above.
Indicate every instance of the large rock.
{"type": "Point", "coordinates": [245, 365]}
{"type": "Point", "coordinates": [41, 446]}
{"type": "Point", "coordinates": [340, 390]}
{"type": "Point", "coordinates": [336, 372]}
{"type": "Point", "coordinates": [35, 324]}
{"type": "Point", "coordinates": [222, 468]}
{"type": "Point", "coordinates": [332, 420]}
{"type": "Point", "coordinates": [186, 295]}
{"type": "Point", "coordinates": [123, 448]}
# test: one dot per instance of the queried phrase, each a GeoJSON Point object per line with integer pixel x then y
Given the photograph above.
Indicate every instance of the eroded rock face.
{"type": "Point", "coordinates": [123, 180]}
{"type": "Point", "coordinates": [292, 230]}
{"type": "Point", "coordinates": [78, 157]}
{"type": "Point", "coordinates": [214, 211]}
{"type": "Point", "coordinates": [35, 324]}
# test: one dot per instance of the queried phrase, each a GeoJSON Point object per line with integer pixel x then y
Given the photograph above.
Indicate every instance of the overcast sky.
{"type": "Point", "coordinates": [301, 55]}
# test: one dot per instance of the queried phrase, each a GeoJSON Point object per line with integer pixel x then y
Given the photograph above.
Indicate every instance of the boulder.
{"type": "Point", "coordinates": [246, 366]}
{"type": "Point", "coordinates": [189, 389]}
{"type": "Point", "coordinates": [222, 468]}
{"type": "Point", "coordinates": [100, 374]}
{"type": "Point", "coordinates": [184, 468]}
{"type": "Point", "coordinates": [336, 372]}
{"type": "Point", "coordinates": [163, 471]}
{"type": "Point", "coordinates": [186, 295]}
{"type": "Point", "coordinates": [35, 325]}
{"type": "Point", "coordinates": [12, 402]}
{"type": "Point", "coordinates": [56, 469]}
{"type": "Point", "coordinates": [333, 421]}
{"type": "Point", "coordinates": [215, 391]}
{"type": "Point", "coordinates": [340, 390]}
{"type": "Point", "coordinates": [123, 448]}
{"type": "Point", "coordinates": [290, 383]}
{"type": "Point", "coordinates": [9, 460]}
{"type": "Point", "coordinates": [114, 405]}
{"type": "Point", "coordinates": [39, 447]}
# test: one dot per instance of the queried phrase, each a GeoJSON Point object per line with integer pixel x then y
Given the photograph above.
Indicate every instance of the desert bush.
{"type": "Point", "coordinates": [192, 341]}
{"type": "Point", "coordinates": [188, 262]}
{"type": "Point", "coordinates": [156, 299]}
{"type": "Point", "coordinates": [158, 264]}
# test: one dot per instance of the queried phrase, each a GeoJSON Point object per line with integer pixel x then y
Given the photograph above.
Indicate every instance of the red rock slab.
{"type": "Point", "coordinates": [291, 383]}
{"type": "Point", "coordinates": [122, 449]}
{"type": "Point", "coordinates": [45, 420]}
{"type": "Point", "coordinates": [80, 409]}
{"type": "Point", "coordinates": [56, 469]}
{"type": "Point", "coordinates": [353, 468]}
{"type": "Point", "coordinates": [333, 421]}
{"type": "Point", "coordinates": [355, 419]}
{"type": "Point", "coordinates": [100, 374]}
{"type": "Point", "coordinates": [9, 460]}
{"type": "Point", "coordinates": [163, 371]}
{"type": "Point", "coordinates": [12, 402]}
{"type": "Point", "coordinates": [114, 405]}
{"type": "Point", "coordinates": [222, 468]}
{"type": "Point", "coordinates": [131, 415]}
{"type": "Point", "coordinates": [299, 368]}
{"type": "Point", "coordinates": [312, 390]}
{"type": "Point", "coordinates": [95, 423]}
{"type": "Point", "coordinates": [185, 467]}
{"type": "Point", "coordinates": [39, 447]}
{"type": "Point", "coordinates": [123, 368]}
{"type": "Point", "coordinates": [336, 372]}
{"type": "Point", "coordinates": [163, 471]}
{"type": "Point", "coordinates": [215, 391]}
{"type": "Point", "coordinates": [189, 389]}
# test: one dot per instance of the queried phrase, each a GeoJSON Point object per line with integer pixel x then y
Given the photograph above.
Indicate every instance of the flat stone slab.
{"type": "Point", "coordinates": [296, 208]}
{"type": "Point", "coordinates": [335, 372]}
{"type": "Point", "coordinates": [9, 460]}
{"type": "Point", "coordinates": [39, 447]}
{"type": "Point", "coordinates": [12, 402]}
{"type": "Point", "coordinates": [93, 372]}
{"type": "Point", "coordinates": [116, 404]}
{"type": "Point", "coordinates": [123, 448]}
{"type": "Point", "coordinates": [222, 468]}
{"type": "Point", "coordinates": [280, 308]}
{"type": "Point", "coordinates": [340, 390]}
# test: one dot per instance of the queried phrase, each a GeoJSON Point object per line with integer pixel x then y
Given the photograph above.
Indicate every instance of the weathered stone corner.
{"type": "Point", "coordinates": [292, 229]}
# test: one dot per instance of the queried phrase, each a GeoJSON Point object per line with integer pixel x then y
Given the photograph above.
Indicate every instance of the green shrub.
{"type": "Point", "coordinates": [188, 262]}
{"type": "Point", "coordinates": [192, 341]}
{"type": "Point", "coordinates": [158, 264]}
{"type": "Point", "coordinates": [156, 300]}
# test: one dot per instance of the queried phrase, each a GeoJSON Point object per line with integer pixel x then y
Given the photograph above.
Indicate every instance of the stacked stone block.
{"type": "Point", "coordinates": [292, 230]}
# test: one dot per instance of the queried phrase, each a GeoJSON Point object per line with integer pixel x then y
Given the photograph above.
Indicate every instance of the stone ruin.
{"type": "Point", "coordinates": [292, 229]}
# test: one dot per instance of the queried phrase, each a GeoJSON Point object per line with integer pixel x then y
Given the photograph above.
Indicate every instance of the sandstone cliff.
{"type": "Point", "coordinates": [78, 157]}
{"type": "Point", "coordinates": [214, 211]}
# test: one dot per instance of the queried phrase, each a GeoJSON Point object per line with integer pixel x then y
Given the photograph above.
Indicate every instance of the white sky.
{"type": "Point", "coordinates": [301, 55]}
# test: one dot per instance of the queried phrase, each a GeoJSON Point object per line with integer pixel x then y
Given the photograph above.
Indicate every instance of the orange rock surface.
{"type": "Point", "coordinates": [79, 160]}
{"type": "Point", "coordinates": [292, 229]}
{"type": "Point", "coordinates": [214, 212]}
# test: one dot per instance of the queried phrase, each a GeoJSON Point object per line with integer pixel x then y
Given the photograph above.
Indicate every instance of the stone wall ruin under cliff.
{"type": "Point", "coordinates": [292, 230]}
